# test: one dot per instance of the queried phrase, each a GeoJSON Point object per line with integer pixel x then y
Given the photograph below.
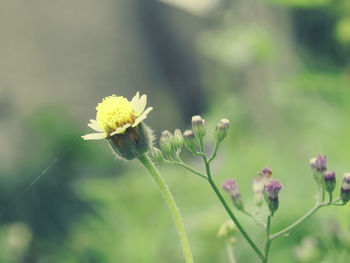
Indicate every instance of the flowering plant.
{"type": "Point", "coordinates": [121, 122]}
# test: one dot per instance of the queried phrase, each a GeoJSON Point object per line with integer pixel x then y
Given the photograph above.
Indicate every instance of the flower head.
{"type": "Point", "coordinates": [231, 187]}
{"type": "Point", "coordinates": [329, 181]}
{"type": "Point", "coordinates": [115, 114]}
{"type": "Point", "coordinates": [273, 188]}
{"type": "Point", "coordinates": [345, 188]}
{"type": "Point", "coordinates": [319, 163]}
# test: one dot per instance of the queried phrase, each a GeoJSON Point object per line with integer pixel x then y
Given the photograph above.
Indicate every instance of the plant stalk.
{"type": "Point", "coordinates": [169, 199]}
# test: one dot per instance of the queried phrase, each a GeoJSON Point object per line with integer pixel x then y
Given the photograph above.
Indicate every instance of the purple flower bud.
{"type": "Point", "coordinates": [329, 181]}
{"type": "Point", "coordinates": [319, 163]}
{"type": "Point", "coordinates": [273, 188]}
{"type": "Point", "coordinates": [345, 188]}
{"type": "Point", "coordinates": [231, 187]}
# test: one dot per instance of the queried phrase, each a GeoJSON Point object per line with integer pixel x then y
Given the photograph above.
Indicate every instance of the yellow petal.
{"type": "Point", "coordinates": [94, 136]}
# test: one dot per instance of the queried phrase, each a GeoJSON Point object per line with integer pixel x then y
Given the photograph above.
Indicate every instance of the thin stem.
{"type": "Point", "coordinates": [228, 210]}
{"type": "Point", "coordinates": [257, 220]}
{"type": "Point", "coordinates": [214, 153]}
{"type": "Point", "coordinates": [330, 198]}
{"type": "Point", "coordinates": [306, 216]}
{"type": "Point", "coordinates": [169, 199]}
{"type": "Point", "coordinates": [268, 240]}
{"type": "Point", "coordinates": [230, 253]}
{"type": "Point", "coordinates": [299, 221]}
{"type": "Point", "coordinates": [183, 165]}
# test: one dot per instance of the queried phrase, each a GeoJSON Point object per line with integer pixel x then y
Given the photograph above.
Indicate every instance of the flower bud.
{"type": "Point", "coordinates": [166, 143]}
{"type": "Point", "coordinates": [345, 188]}
{"type": "Point", "coordinates": [319, 163]}
{"type": "Point", "coordinates": [329, 181]}
{"type": "Point", "coordinates": [227, 231]}
{"type": "Point", "coordinates": [190, 141]}
{"type": "Point", "coordinates": [272, 190]}
{"type": "Point", "coordinates": [221, 130]}
{"type": "Point", "coordinates": [178, 140]}
{"type": "Point", "coordinates": [199, 126]}
{"type": "Point", "coordinates": [156, 154]}
{"type": "Point", "coordinates": [231, 187]}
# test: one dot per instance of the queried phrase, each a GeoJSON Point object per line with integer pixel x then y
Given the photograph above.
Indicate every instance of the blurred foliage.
{"type": "Point", "coordinates": [285, 88]}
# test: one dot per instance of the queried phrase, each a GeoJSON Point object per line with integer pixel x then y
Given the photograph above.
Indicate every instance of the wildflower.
{"type": "Point", "coordinates": [120, 122]}
{"type": "Point", "coordinates": [199, 126]}
{"type": "Point", "coordinates": [345, 188]}
{"type": "Point", "coordinates": [329, 181]}
{"type": "Point", "coordinates": [221, 130]}
{"type": "Point", "coordinates": [231, 187]}
{"type": "Point", "coordinates": [272, 190]}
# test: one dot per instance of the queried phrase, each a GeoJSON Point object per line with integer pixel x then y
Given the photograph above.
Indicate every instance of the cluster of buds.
{"type": "Point", "coordinates": [231, 187]}
{"type": "Point", "coordinates": [327, 179]}
{"type": "Point", "coordinates": [171, 144]}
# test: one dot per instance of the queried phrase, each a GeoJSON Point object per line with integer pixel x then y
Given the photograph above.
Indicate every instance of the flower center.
{"type": "Point", "coordinates": [114, 112]}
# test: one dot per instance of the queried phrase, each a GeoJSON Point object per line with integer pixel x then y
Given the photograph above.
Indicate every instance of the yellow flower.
{"type": "Point", "coordinates": [115, 114]}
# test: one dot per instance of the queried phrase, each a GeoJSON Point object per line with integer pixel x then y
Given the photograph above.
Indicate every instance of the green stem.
{"type": "Point", "coordinates": [254, 218]}
{"type": "Point", "coordinates": [330, 198]}
{"type": "Point", "coordinates": [169, 199]}
{"type": "Point", "coordinates": [183, 165]}
{"type": "Point", "coordinates": [268, 239]}
{"type": "Point", "coordinates": [299, 221]}
{"type": "Point", "coordinates": [229, 211]}
{"type": "Point", "coordinates": [214, 153]}
{"type": "Point", "coordinates": [230, 253]}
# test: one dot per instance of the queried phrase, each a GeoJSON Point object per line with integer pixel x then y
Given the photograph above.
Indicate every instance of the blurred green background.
{"type": "Point", "coordinates": [278, 69]}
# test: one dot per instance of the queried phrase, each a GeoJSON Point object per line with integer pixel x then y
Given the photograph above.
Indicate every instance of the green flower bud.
{"type": "Point", "coordinates": [178, 140]}
{"type": "Point", "coordinates": [166, 143]}
{"type": "Point", "coordinates": [156, 154]}
{"type": "Point", "coordinates": [190, 141]}
{"type": "Point", "coordinates": [199, 126]}
{"type": "Point", "coordinates": [221, 130]}
{"type": "Point", "coordinates": [227, 231]}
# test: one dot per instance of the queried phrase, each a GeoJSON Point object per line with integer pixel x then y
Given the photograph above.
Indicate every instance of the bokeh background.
{"type": "Point", "coordinates": [278, 69]}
